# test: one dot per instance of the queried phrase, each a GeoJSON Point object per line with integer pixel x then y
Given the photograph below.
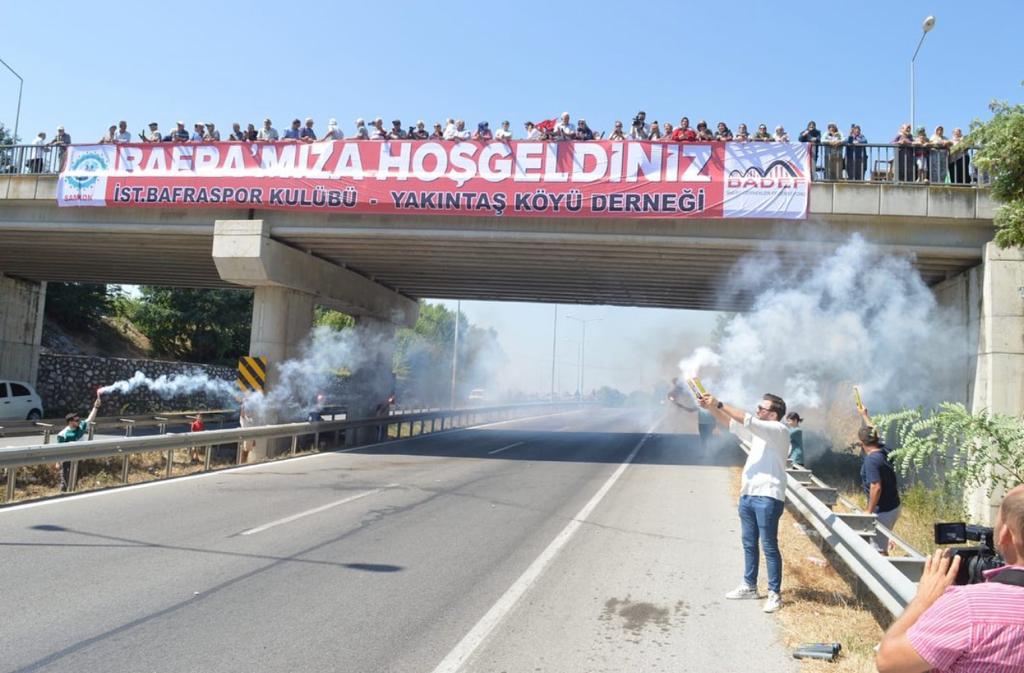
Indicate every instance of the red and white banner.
{"type": "Point", "coordinates": [514, 179]}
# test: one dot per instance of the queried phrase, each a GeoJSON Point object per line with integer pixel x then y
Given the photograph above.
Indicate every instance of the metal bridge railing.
{"type": "Point", "coordinates": [896, 164]}
{"type": "Point", "coordinates": [31, 159]}
{"type": "Point", "coordinates": [878, 163]}
{"type": "Point", "coordinates": [12, 458]}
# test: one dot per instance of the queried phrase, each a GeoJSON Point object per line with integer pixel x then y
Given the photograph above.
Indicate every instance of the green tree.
{"type": "Point", "coordinates": [423, 356]}
{"type": "Point", "coordinates": [77, 306]}
{"type": "Point", "coordinates": [6, 137]}
{"type": "Point", "coordinates": [1001, 155]}
{"type": "Point", "coordinates": [336, 320]}
{"type": "Point", "coordinates": [208, 326]}
{"type": "Point", "coordinates": [973, 450]}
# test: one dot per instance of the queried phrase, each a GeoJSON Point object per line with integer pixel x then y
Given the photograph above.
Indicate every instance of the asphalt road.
{"type": "Point", "coordinates": [524, 546]}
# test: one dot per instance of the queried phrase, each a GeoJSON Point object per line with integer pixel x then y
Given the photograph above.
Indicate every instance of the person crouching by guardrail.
{"type": "Point", "coordinates": [72, 432]}
{"type": "Point", "coordinates": [977, 627]}
{"type": "Point", "coordinates": [762, 490]}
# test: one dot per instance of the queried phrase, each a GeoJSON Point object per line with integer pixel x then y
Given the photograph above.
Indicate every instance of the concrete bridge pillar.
{"type": "Point", "coordinates": [21, 328]}
{"type": "Point", "coordinates": [288, 284]}
{"type": "Point", "coordinates": [988, 301]}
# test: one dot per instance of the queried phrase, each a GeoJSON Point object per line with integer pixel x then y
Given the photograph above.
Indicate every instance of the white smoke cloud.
{"type": "Point", "coordinates": [172, 386]}
{"type": "Point", "coordinates": [854, 316]}
{"type": "Point", "coordinates": [325, 354]}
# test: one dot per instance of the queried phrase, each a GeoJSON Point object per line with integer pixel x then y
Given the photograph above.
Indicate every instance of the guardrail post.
{"type": "Point", "coordinates": [11, 474]}
{"type": "Point", "coordinates": [238, 452]}
{"type": "Point", "coordinates": [73, 477]}
{"type": "Point", "coordinates": [206, 459]}
{"type": "Point", "coordinates": [170, 463]}
{"type": "Point", "coordinates": [295, 444]}
{"type": "Point", "coordinates": [316, 440]}
{"type": "Point", "coordinates": [124, 469]}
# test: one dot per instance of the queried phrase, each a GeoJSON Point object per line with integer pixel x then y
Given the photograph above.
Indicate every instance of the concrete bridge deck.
{"type": "Point", "coordinates": [670, 263]}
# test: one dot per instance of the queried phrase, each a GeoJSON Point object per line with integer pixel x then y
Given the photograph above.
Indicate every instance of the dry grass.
{"type": "Point", "coordinates": [820, 604]}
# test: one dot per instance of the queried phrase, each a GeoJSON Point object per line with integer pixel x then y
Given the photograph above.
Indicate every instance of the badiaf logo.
{"type": "Point", "coordinates": [78, 172]}
{"type": "Point", "coordinates": [780, 173]}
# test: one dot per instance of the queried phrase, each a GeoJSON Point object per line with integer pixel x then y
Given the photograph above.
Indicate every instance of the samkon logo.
{"type": "Point", "coordinates": [780, 173]}
{"type": "Point", "coordinates": [81, 174]}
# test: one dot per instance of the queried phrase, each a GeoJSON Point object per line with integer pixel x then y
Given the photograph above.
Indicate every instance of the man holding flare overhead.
{"type": "Point", "coordinates": [763, 487]}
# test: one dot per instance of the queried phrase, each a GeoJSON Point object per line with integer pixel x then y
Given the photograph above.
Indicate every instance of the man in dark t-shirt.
{"type": "Point", "coordinates": [879, 479]}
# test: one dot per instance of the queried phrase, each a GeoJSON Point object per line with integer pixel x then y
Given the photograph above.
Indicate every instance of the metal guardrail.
{"type": "Point", "coordinates": [892, 579]}
{"type": "Point", "coordinates": [872, 162]}
{"type": "Point", "coordinates": [896, 164]}
{"type": "Point", "coordinates": [126, 423]}
{"type": "Point", "coordinates": [12, 458]}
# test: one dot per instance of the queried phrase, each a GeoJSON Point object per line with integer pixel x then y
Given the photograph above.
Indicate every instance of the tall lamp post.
{"type": "Point", "coordinates": [554, 350]}
{"type": "Point", "coordinates": [583, 345]}
{"type": "Point", "coordinates": [21, 84]}
{"type": "Point", "coordinates": [926, 26]}
{"type": "Point", "coordinates": [455, 352]}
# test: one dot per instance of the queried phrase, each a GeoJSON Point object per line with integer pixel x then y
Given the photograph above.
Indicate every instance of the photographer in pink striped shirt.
{"type": "Point", "coordinates": [961, 629]}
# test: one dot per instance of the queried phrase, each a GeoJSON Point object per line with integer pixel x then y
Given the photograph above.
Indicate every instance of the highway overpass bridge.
{"type": "Point", "coordinates": [670, 263]}
{"type": "Point", "coordinates": [376, 266]}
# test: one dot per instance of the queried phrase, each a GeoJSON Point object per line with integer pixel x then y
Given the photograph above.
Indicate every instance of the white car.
{"type": "Point", "coordinates": [19, 402]}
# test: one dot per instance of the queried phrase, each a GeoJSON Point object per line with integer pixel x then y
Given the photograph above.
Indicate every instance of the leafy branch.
{"type": "Point", "coordinates": [974, 450]}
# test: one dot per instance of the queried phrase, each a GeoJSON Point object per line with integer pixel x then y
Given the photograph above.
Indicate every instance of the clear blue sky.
{"type": "Point", "coordinates": [87, 65]}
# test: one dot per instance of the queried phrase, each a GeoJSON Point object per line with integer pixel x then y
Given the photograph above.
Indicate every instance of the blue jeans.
{"type": "Point", "coordinates": [759, 519]}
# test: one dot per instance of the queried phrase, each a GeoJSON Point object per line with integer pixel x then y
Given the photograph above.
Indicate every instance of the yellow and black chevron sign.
{"type": "Point", "coordinates": [252, 373]}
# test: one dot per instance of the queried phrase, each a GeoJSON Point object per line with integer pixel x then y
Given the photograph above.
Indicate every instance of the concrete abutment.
{"type": "Point", "coordinates": [988, 302]}
{"type": "Point", "coordinates": [21, 328]}
{"type": "Point", "coordinates": [288, 284]}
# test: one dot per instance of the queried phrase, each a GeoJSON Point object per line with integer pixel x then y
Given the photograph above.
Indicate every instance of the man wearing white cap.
{"type": "Point", "coordinates": [333, 132]}
{"type": "Point", "coordinates": [180, 134]}
{"type": "Point", "coordinates": [362, 133]}
{"type": "Point", "coordinates": [564, 130]}
{"type": "Point", "coordinates": [61, 138]}
{"type": "Point", "coordinates": [212, 135]}
{"type": "Point", "coordinates": [154, 134]}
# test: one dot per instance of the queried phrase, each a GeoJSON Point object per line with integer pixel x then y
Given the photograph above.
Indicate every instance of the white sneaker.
{"type": "Point", "coordinates": [741, 592]}
{"type": "Point", "coordinates": [773, 603]}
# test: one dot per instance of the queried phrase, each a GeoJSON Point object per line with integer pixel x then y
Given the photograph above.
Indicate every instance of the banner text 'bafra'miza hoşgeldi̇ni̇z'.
{"type": "Point", "coordinates": [509, 179]}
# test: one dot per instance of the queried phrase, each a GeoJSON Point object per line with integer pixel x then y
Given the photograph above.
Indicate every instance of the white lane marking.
{"type": "Point", "coordinates": [315, 510]}
{"type": "Point", "coordinates": [529, 418]}
{"type": "Point", "coordinates": [460, 655]}
{"type": "Point", "coordinates": [505, 448]}
{"type": "Point", "coordinates": [239, 468]}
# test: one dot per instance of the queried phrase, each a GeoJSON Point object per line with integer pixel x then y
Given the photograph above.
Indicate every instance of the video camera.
{"type": "Point", "coordinates": [975, 560]}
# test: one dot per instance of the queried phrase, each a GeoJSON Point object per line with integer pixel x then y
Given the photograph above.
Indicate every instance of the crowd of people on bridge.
{"type": "Point", "coordinates": [914, 157]}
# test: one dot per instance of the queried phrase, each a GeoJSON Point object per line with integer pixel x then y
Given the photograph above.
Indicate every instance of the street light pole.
{"type": "Point", "coordinates": [926, 26]}
{"type": "Point", "coordinates": [583, 340]}
{"type": "Point", "coordinates": [21, 84]}
{"type": "Point", "coordinates": [455, 352]}
{"type": "Point", "coordinates": [554, 350]}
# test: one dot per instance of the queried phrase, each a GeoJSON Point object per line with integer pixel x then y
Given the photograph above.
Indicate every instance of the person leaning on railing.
{"type": "Point", "coordinates": [904, 141]}
{"type": "Point", "coordinates": [833, 142]}
{"type": "Point", "coordinates": [856, 154]}
{"type": "Point", "coordinates": [939, 159]}
{"type": "Point", "coordinates": [959, 159]}
{"type": "Point", "coordinates": [965, 629]}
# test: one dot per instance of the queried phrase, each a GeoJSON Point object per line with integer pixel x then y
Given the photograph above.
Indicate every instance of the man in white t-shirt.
{"type": "Point", "coordinates": [762, 491]}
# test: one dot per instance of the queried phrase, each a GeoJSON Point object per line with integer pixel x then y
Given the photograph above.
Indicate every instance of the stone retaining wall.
{"type": "Point", "coordinates": [68, 383]}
